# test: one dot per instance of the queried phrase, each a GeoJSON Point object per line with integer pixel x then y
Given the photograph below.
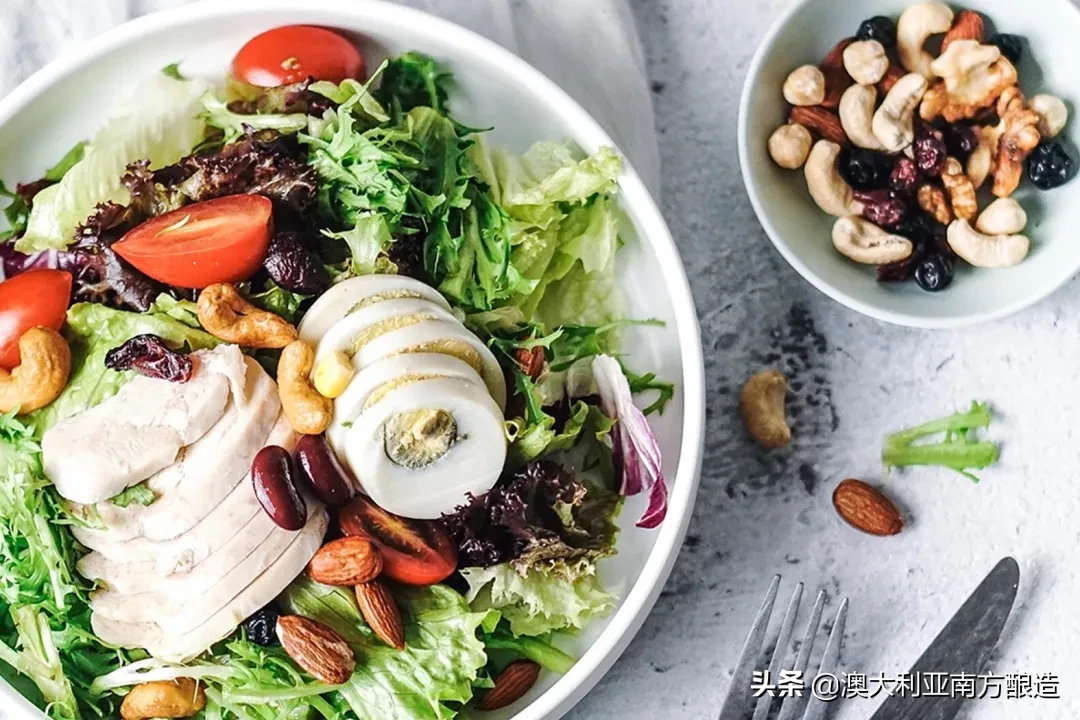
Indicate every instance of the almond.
{"type": "Point", "coordinates": [837, 79]}
{"type": "Point", "coordinates": [316, 648]}
{"type": "Point", "coordinates": [865, 508]}
{"type": "Point", "coordinates": [818, 120]}
{"type": "Point", "coordinates": [969, 25]}
{"type": "Point", "coordinates": [378, 608]}
{"type": "Point", "coordinates": [894, 73]}
{"type": "Point", "coordinates": [515, 680]}
{"type": "Point", "coordinates": [345, 562]}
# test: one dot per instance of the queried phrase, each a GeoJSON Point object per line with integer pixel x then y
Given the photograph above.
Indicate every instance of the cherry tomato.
{"type": "Point", "coordinates": [217, 241]}
{"type": "Point", "coordinates": [291, 54]}
{"type": "Point", "coordinates": [415, 552]}
{"type": "Point", "coordinates": [32, 299]}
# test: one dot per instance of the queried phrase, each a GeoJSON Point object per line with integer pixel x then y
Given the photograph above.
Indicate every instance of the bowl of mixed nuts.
{"type": "Point", "coordinates": [914, 160]}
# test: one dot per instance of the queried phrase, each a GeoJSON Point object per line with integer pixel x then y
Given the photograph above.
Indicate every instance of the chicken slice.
{"type": "Point", "coordinates": [96, 454]}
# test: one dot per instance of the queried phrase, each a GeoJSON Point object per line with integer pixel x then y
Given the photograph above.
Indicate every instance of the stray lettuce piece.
{"type": "Point", "coordinates": [172, 70]}
{"type": "Point", "coordinates": [540, 601]}
{"type": "Point", "coordinates": [160, 124]}
{"type": "Point", "coordinates": [17, 212]}
{"type": "Point", "coordinates": [960, 450]}
{"type": "Point", "coordinates": [92, 330]}
{"type": "Point", "coordinates": [645, 383]}
{"type": "Point", "coordinates": [140, 493]}
{"type": "Point", "coordinates": [217, 114]}
{"type": "Point", "coordinates": [442, 658]}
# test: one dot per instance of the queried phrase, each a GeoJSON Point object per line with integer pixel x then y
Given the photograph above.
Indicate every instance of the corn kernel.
{"type": "Point", "coordinates": [332, 375]}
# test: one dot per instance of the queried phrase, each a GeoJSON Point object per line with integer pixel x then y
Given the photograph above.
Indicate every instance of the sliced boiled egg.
{"type": "Point", "coordinates": [367, 323]}
{"type": "Point", "coordinates": [355, 293]}
{"type": "Point", "coordinates": [426, 445]}
{"type": "Point", "coordinates": [382, 376]}
{"type": "Point", "coordinates": [448, 337]}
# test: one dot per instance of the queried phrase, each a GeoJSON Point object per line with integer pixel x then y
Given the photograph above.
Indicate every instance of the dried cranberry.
{"type": "Point", "coordinates": [292, 266]}
{"type": "Point", "coordinates": [905, 177]}
{"type": "Point", "coordinates": [884, 208]}
{"type": "Point", "coordinates": [930, 150]}
{"type": "Point", "coordinates": [960, 141]}
{"type": "Point", "coordinates": [147, 355]}
{"type": "Point", "coordinates": [865, 169]}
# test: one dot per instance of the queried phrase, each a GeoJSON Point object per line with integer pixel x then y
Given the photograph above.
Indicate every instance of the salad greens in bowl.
{"type": "Point", "coordinates": [346, 370]}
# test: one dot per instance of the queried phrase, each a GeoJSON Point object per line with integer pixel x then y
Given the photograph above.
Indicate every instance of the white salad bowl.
{"type": "Point", "coordinates": [66, 101]}
{"type": "Point", "coordinates": [801, 232]}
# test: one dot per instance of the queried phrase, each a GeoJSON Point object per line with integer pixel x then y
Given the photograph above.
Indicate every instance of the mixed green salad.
{"type": "Point", "coordinates": [301, 174]}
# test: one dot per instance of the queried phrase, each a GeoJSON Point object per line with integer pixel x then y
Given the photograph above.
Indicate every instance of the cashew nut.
{"type": "Point", "coordinates": [1053, 115]}
{"type": "Point", "coordinates": [932, 199]}
{"type": "Point", "coordinates": [915, 27]}
{"type": "Point", "coordinates": [1004, 216]}
{"type": "Point", "coordinates": [857, 116]}
{"type": "Point", "coordinates": [828, 188]}
{"type": "Point", "coordinates": [974, 77]}
{"type": "Point", "coordinates": [961, 190]}
{"type": "Point", "coordinates": [180, 698]}
{"type": "Point", "coordinates": [308, 412]}
{"type": "Point", "coordinates": [981, 161]}
{"type": "Point", "coordinates": [986, 251]}
{"type": "Point", "coordinates": [866, 61]}
{"type": "Point", "coordinates": [761, 405]}
{"type": "Point", "coordinates": [864, 242]}
{"type": "Point", "coordinates": [894, 121]}
{"type": "Point", "coordinates": [228, 316]}
{"type": "Point", "coordinates": [790, 145]}
{"type": "Point", "coordinates": [805, 86]}
{"type": "Point", "coordinates": [41, 375]}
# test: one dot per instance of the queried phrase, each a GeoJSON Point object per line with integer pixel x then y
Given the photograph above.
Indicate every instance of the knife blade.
{"type": "Point", "coordinates": [963, 646]}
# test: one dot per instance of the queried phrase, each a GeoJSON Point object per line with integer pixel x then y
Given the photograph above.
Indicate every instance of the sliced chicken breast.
{"type": "Point", "coordinates": [188, 490]}
{"type": "Point", "coordinates": [168, 642]}
{"type": "Point", "coordinates": [96, 454]}
{"type": "Point", "coordinates": [138, 565]}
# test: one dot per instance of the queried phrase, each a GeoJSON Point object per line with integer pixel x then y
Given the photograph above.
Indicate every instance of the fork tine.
{"type": "Point", "coordinates": [782, 641]}
{"type": "Point", "coordinates": [793, 704]}
{"type": "Point", "coordinates": [815, 709]}
{"type": "Point", "coordinates": [737, 705]}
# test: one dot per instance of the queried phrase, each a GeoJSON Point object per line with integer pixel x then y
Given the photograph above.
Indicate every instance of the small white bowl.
{"type": "Point", "coordinates": [66, 101]}
{"type": "Point", "coordinates": [802, 232]}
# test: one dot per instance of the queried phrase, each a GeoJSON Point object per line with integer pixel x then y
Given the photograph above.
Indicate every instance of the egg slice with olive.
{"type": "Point", "coordinates": [424, 446]}
{"type": "Point", "coordinates": [356, 293]}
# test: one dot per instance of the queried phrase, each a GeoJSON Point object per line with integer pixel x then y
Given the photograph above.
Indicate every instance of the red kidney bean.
{"type": "Point", "coordinates": [274, 476]}
{"type": "Point", "coordinates": [319, 466]}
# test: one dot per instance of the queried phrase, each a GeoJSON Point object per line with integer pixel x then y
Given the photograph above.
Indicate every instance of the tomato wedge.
{"type": "Point", "coordinates": [290, 54]}
{"type": "Point", "coordinates": [217, 241]}
{"type": "Point", "coordinates": [415, 552]}
{"type": "Point", "coordinates": [31, 299]}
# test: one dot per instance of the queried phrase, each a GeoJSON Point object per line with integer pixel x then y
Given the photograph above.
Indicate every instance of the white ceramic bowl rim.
{"type": "Point", "coordinates": [642, 596]}
{"type": "Point", "coordinates": [833, 291]}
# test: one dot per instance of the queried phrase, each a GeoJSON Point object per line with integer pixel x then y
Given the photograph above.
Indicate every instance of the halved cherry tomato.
{"type": "Point", "coordinates": [32, 299]}
{"type": "Point", "coordinates": [415, 552]}
{"type": "Point", "coordinates": [217, 241]}
{"type": "Point", "coordinates": [290, 54]}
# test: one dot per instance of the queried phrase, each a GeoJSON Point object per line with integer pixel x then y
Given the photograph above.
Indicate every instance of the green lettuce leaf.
{"type": "Point", "coordinates": [217, 114]}
{"type": "Point", "coordinates": [140, 493]}
{"type": "Point", "coordinates": [278, 300]}
{"type": "Point", "coordinates": [542, 600]}
{"type": "Point", "coordinates": [91, 331]}
{"type": "Point", "coordinates": [159, 124]}
{"type": "Point", "coordinates": [414, 80]}
{"type": "Point", "coordinates": [364, 103]}
{"type": "Point", "coordinates": [442, 657]}
{"type": "Point", "coordinates": [368, 241]}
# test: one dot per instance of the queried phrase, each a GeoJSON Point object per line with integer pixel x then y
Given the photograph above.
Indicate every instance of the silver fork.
{"type": "Point", "coordinates": [739, 700]}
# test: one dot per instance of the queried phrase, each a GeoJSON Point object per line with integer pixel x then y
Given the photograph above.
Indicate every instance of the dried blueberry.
{"type": "Point", "coordinates": [1011, 46]}
{"type": "Point", "coordinates": [960, 141]}
{"type": "Point", "coordinates": [884, 208]}
{"type": "Point", "coordinates": [934, 272]}
{"type": "Point", "coordinates": [147, 355]}
{"type": "Point", "coordinates": [930, 150]}
{"type": "Point", "coordinates": [905, 176]}
{"type": "Point", "coordinates": [1050, 166]}
{"type": "Point", "coordinates": [878, 28]}
{"type": "Point", "coordinates": [292, 266]}
{"type": "Point", "coordinates": [865, 169]}
{"type": "Point", "coordinates": [261, 627]}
